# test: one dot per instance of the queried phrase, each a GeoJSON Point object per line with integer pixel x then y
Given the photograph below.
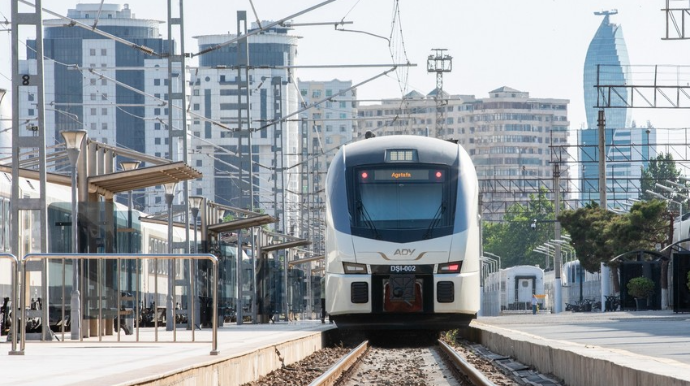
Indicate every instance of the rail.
{"type": "Point", "coordinates": [470, 371]}
{"type": "Point", "coordinates": [330, 377]}
{"type": "Point", "coordinates": [104, 256]}
{"type": "Point", "coordinates": [13, 286]}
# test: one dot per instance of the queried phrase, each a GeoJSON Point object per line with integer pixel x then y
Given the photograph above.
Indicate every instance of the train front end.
{"type": "Point", "coordinates": [402, 239]}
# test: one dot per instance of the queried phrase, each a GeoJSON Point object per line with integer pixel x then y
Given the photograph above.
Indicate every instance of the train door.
{"type": "Point", "coordinates": [525, 290]}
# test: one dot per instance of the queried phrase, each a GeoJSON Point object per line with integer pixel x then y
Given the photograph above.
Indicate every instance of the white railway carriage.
{"type": "Point", "coordinates": [511, 289]}
{"type": "Point", "coordinates": [521, 282]}
{"type": "Point", "coordinates": [402, 235]}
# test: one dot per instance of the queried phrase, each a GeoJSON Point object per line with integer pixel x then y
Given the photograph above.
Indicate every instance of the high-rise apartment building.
{"type": "Point", "coordinates": [90, 84]}
{"type": "Point", "coordinates": [607, 63]}
{"type": "Point", "coordinates": [219, 93]}
{"type": "Point", "coordinates": [509, 137]}
{"type": "Point", "coordinates": [325, 128]}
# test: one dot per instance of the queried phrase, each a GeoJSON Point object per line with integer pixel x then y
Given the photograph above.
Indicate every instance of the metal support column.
{"type": "Point", "coordinates": [32, 137]}
{"type": "Point", "coordinates": [177, 133]}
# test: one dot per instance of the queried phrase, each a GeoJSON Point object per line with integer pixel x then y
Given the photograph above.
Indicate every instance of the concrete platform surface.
{"type": "Point", "coordinates": [626, 348]}
{"type": "Point", "coordinates": [127, 362]}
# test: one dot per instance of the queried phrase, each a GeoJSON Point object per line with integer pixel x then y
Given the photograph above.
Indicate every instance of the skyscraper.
{"type": "Point", "coordinates": [607, 63]}
{"type": "Point", "coordinates": [607, 51]}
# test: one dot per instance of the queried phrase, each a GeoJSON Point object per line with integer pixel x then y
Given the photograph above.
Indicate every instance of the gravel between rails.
{"type": "Point", "coordinates": [421, 366]}
{"type": "Point", "coordinates": [304, 371]}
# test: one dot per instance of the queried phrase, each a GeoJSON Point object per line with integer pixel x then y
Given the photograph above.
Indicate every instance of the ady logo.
{"type": "Point", "coordinates": [404, 252]}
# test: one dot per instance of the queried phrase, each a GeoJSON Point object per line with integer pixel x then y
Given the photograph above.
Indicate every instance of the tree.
{"type": "Point", "coordinates": [599, 235]}
{"type": "Point", "coordinates": [587, 229]}
{"type": "Point", "coordinates": [660, 169]}
{"type": "Point", "coordinates": [514, 239]}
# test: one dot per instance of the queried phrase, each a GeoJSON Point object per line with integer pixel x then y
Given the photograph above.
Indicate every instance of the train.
{"type": "Point", "coordinates": [511, 289]}
{"type": "Point", "coordinates": [402, 235]}
{"type": "Point", "coordinates": [138, 235]}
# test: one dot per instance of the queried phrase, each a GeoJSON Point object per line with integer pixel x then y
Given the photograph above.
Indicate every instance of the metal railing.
{"type": "Point", "coordinates": [138, 257]}
{"type": "Point", "coordinates": [12, 305]}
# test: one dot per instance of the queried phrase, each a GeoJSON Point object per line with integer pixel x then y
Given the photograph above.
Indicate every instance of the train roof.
{"type": "Point", "coordinates": [429, 150]}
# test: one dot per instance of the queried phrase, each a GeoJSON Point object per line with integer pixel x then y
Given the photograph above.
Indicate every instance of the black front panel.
{"type": "Point", "coordinates": [421, 283]}
{"type": "Point", "coordinates": [402, 202]}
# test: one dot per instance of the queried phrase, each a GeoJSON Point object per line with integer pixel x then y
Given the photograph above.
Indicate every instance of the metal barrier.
{"type": "Point", "coordinates": [138, 257]}
{"type": "Point", "coordinates": [13, 306]}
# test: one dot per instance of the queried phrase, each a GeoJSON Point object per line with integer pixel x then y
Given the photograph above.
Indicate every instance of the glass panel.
{"type": "Point", "coordinates": [398, 206]}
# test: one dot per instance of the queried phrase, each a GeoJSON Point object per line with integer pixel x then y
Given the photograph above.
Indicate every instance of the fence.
{"type": "Point", "coordinates": [137, 257]}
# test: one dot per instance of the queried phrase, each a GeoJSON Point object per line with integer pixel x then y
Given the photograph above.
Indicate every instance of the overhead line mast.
{"type": "Point", "coordinates": [439, 63]}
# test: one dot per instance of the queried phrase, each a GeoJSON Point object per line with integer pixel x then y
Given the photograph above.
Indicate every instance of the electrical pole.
{"type": "Point", "coordinates": [439, 63]}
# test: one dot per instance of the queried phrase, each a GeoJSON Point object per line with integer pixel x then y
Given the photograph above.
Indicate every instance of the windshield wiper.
{"type": "Point", "coordinates": [367, 219]}
{"type": "Point", "coordinates": [435, 221]}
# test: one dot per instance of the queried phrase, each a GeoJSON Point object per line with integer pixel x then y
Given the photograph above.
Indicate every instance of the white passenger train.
{"type": "Point", "coordinates": [402, 235]}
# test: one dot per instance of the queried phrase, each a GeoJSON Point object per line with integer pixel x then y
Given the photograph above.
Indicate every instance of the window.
{"type": "Point", "coordinates": [31, 111]}
{"type": "Point", "coordinates": [93, 111]}
{"type": "Point", "coordinates": [31, 97]}
{"type": "Point", "coordinates": [196, 107]}
{"type": "Point", "coordinates": [157, 126]}
{"type": "Point", "coordinates": [156, 141]}
{"type": "Point", "coordinates": [104, 82]}
{"type": "Point", "coordinates": [104, 52]}
{"type": "Point", "coordinates": [198, 163]}
{"type": "Point", "coordinates": [104, 111]}
{"type": "Point", "coordinates": [157, 111]}
{"type": "Point", "coordinates": [199, 191]}
{"type": "Point", "coordinates": [104, 126]}
{"type": "Point", "coordinates": [93, 125]}
{"type": "Point", "coordinates": [92, 81]}
{"type": "Point", "coordinates": [104, 97]}
{"type": "Point", "coordinates": [92, 51]}
{"type": "Point", "coordinates": [93, 96]}
{"type": "Point", "coordinates": [156, 82]}
{"type": "Point", "coordinates": [195, 92]}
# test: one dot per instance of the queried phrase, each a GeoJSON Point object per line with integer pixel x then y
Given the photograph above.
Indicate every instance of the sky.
{"type": "Point", "coordinates": [538, 46]}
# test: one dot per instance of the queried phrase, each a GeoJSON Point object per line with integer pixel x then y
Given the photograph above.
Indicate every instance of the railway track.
{"type": "Point", "coordinates": [431, 365]}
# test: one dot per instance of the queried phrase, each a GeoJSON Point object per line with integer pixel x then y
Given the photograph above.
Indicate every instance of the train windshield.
{"type": "Point", "coordinates": [396, 199]}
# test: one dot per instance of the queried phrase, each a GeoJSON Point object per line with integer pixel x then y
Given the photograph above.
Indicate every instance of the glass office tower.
{"type": "Point", "coordinates": [608, 52]}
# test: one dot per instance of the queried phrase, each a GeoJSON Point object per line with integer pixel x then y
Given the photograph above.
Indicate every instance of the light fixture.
{"type": "Point", "coordinates": [129, 165]}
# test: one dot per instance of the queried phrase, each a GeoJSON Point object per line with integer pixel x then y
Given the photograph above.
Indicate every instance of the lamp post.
{"type": "Point", "coordinates": [129, 165]}
{"type": "Point", "coordinates": [195, 203]}
{"type": "Point", "coordinates": [169, 196]}
{"type": "Point", "coordinates": [73, 140]}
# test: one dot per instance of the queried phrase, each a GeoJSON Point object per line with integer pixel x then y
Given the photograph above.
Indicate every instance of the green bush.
{"type": "Point", "coordinates": [641, 287]}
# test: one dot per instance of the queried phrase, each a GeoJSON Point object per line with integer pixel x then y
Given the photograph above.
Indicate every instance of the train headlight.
{"type": "Point", "coordinates": [453, 267]}
{"type": "Point", "coordinates": [355, 268]}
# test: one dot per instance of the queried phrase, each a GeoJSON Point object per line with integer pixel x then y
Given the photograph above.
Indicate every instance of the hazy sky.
{"type": "Point", "coordinates": [537, 46]}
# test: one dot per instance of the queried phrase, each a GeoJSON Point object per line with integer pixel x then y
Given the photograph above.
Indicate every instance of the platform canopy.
{"type": "Point", "coordinates": [127, 180]}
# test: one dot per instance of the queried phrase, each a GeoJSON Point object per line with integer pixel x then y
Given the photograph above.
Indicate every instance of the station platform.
{"type": "Point", "coordinates": [643, 348]}
{"type": "Point", "coordinates": [245, 353]}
